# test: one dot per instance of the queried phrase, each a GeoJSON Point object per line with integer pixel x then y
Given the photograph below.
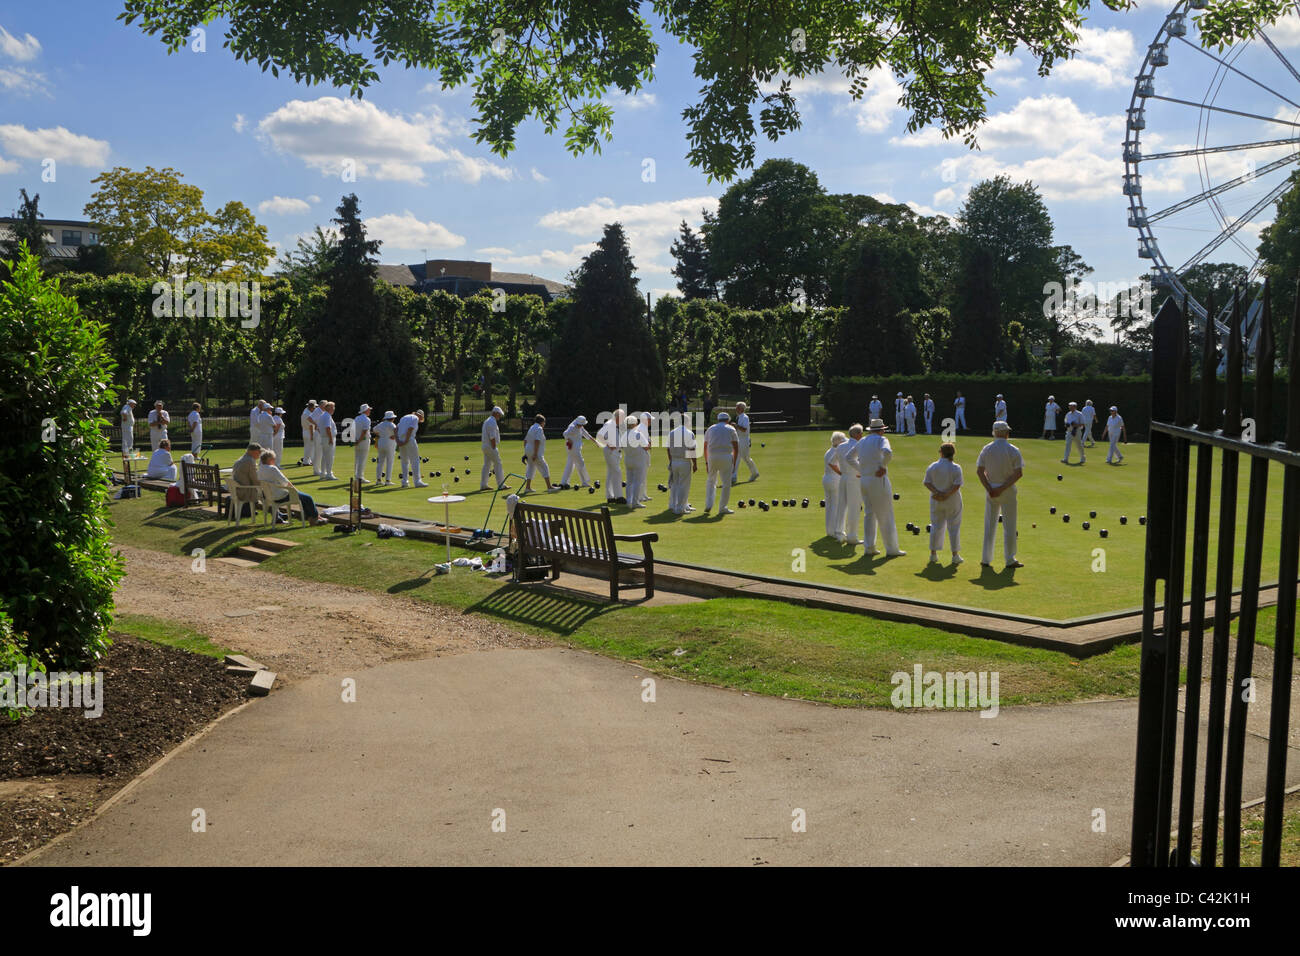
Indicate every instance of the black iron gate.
{"type": "Point", "coordinates": [1173, 436]}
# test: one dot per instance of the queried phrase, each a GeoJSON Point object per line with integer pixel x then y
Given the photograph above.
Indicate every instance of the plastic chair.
{"type": "Point", "coordinates": [239, 495]}
{"type": "Point", "coordinates": [273, 506]}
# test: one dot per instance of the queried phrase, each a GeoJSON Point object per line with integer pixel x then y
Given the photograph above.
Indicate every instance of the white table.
{"type": "Point", "coordinates": [446, 501]}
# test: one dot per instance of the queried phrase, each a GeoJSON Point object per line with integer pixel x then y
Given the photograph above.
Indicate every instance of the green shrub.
{"type": "Point", "coordinates": [13, 659]}
{"type": "Point", "coordinates": [57, 569]}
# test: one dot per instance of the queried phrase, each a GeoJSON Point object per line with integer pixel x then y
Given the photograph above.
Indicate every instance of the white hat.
{"type": "Point", "coordinates": [580, 420]}
{"type": "Point", "coordinates": [498, 410]}
{"type": "Point", "coordinates": [999, 394]}
{"type": "Point", "coordinates": [311, 401]}
{"type": "Point", "coordinates": [1052, 398]}
{"type": "Point", "coordinates": [388, 415]}
{"type": "Point", "coordinates": [130, 401]}
{"type": "Point", "coordinates": [363, 409]}
{"type": "Point", "coordinates": [279, 410]}
{"type": "Point", "coordinates": [723, 417]}
{"type": "Point", "coordinates": [1114, 408]}
{"type": "Point", "coordinates": [876, 425]}
{"type": "Point", "coordinates": [1074, 404]}
{"type": "Point", "coordinates": [1000, 426]}
{"type": "Point", "coordinates": [900, 394]}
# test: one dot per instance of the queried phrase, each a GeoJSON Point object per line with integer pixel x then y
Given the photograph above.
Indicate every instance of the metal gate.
{"type": "Point", "coordinates": [1173, 437]}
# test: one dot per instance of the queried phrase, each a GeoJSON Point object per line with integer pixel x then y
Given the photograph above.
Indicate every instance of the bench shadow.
{"type": "Point", "coordinates": [541, 606]}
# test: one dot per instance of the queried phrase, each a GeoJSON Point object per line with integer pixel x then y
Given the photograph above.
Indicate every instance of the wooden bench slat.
{"type": "Point", "coordinates": [560, 537]}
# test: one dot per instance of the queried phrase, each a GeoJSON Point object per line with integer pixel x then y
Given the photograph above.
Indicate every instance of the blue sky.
{"type": "Point", "coordinates": [83, 89]}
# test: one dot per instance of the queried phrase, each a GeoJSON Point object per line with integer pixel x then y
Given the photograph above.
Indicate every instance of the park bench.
{"type": "Point", "coordinates": [560, 538]}
{"type": "Point", "coordinates": [202, 480]}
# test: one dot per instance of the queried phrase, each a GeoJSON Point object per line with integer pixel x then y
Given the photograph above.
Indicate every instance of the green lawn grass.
{"type": "Point", "coordinates": [160, 631]}
{"type": "Point", "coordinates": [1059, 581]}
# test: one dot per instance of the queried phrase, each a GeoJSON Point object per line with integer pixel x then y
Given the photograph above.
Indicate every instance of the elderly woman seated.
{"type": "Point", "coordinates": [269, 474]}
{"type": "Point", "coordinates": [161, 465]}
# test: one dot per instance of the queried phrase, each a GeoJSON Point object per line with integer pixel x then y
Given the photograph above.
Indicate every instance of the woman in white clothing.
{"type": "Point", "coordinates": [386, 448]}
{"type": "Point", "coordinates": [268, 473]}
{"type": "Point", "coordinates": [831, 484]}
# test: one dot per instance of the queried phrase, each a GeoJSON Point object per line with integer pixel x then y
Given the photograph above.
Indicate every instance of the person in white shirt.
{"type": "Point", "coordinates": [943, 480]}
{"type": "Point", "coordinates": [329, 437]}
{"type": "Point", "coordinates": [959, 407]}
{"type": "Point", "coordinates": [1089, 413]}
{"type": "Point", "coordinates": [1074, 433]}
{"type": "Point", "coordinates": [194, 420]}
{"type": "Point", "coordinates": [1049, 418]}
{"type": "Point", "coordinates": [909, 416]}
{"type": "Point", "coordinates": [264, 426]}
{"type": "Point", "coordinates": [277, 433]}
{"type": "Point", "coordinates": [610, 437]}
{"type": "Point", "coordinates": [410, 448]}
{"type": "Point", "coordinates": [318, 438]}
{"type": "Point", "coordinates": [1115, 433]}
{"type": "Point", "coordinates": [308, 420]}
{"type": "Point", "coordinates": [269, 473]}
{"type": "Point", "coordinates": [158, 422]}
{"type": "Point", "coordinates": [636, 459]}
{"type": "Point", "coordinates": [361, 442]}
{"type": "Point", "coordinates": [831, 484]}
{"type": "Point", "coordinates": [252, 420]}
{"type": "Point", "coordinates": [927, 407]}
{"type": "Point", "coordinates": [491, 445]}
{"type": "Point", "coordinates": [683, 461]}
{"type": "Point", "coordinates": [900, 414]}
{"type": "Point", "coordinates": [872, 457]}
{"type": "Point", "coordinates": [128, 428]}
{"type": "Point", "coordinates": [1000, 409]}
{"type": "Point", "coordinates": [999, 466]}
{"type": "Point", "coordinates": [535, 450]}
{"type": "Point", "coordinates": [744, 436]}
{"type": "Point", "coordinates": [385, 448]}
{"type": "Point", "coordinates": [721, 448]}
{"type": "Point", "coordinates": [574, 436]}
{"type": "Point", "coordinates": [161, 465]}
{"type": "Point", "coordinates": [874, 408]}
{"type": "Point", "coordinates": [849, 507]}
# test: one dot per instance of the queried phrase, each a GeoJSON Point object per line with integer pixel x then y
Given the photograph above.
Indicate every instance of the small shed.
{"type": "Point", "coordinates": [781, 402]}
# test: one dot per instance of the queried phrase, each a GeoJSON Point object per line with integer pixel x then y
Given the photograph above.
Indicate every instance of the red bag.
{"type": "Point", "coordinates": [175, 498]}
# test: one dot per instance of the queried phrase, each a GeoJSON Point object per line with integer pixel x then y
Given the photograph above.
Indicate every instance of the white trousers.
{"type": "Point", "coordinates": [1071, 439]}
{"type": "Point", "coordinates": [318, 453]}
{"type": "Point", "coordinates": [961, 417]}
{"type": "Point", "coordinates": [492, 465]}
{"type": "Point", "coordinates": [945, 514]}
{"type": "Point", "coordinates": [277, 446]}
{"type": "Point", "coordinates": [636, 476]}
{"type": "Point", "coordinates": [155, 438]}
{"type": "Point", "coordinates": [613, 474]}
{"type": "Point", "coordinates": [308, 448]}
{"type": "Point", "coordinates": [929, 421]}
{"type": "Point", "coordinates": [196, 442]}
{"type": "Point", "coordinates": [743, 455]}
{"type": "Point", "coordinates": [1087, 435]}
{"type": "Point", "coordinates": [1005, 505]}
{"type": "Point", "coordinates": [850, 507]}
{"type": "Point", "coordinates": [719, 474]}
{"type": "Point", "coordinates": [831, 492]}
{"type": "Point", "coordinates": [911, 425]}
{"type": "Point", "coordinates": [679, 485]}
{"type": "Point", "coordinates": [360, 452]}
{"type": "Point", "coordinates": [1114, 451]}
{"type": "Point", "coordinates": [878, 504]}
{"type": "Point", "coordinates": [573, 461]}
{"type": "Point", "coordinates": [386, 451]}
{"type": "Point", "coordinates": [536, 466]}
{"type": "Point", "coordinates": [899, 424]}
{"type": "Point", "coordinates": [327, 457]}
{"type": "Point", "coordinates": [410, 461]}
{"type": "Point", "coordinates": [128, 440]}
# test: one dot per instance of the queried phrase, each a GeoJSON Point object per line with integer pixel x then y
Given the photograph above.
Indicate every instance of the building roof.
{"type": "Point", "coordinates": [414, 276]}
{"type": "Point", "coordinates": [54, 248]}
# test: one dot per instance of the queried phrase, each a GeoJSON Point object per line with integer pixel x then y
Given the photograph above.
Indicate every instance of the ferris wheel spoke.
{"type": "Point", "coordinates": [1204, 150]}
{"type": "Point", "coordinates": [1278, 53]}
{"type": "Point", "coordinates": [1223, 187]}
{"type": "Point", "coordinates": [1232, 230]}
{"type": "Point", "coordinates": [1223, 109]}
{"type": "Point", "coordinates": [1228, 66]}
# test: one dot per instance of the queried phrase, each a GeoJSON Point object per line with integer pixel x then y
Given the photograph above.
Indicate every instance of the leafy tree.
{"type": "Point", "coordinates": [976, 342]}
{"type": "Point", "coordinates": [1279, 248]}
{"type": "Point", "coordinates": [605, 354]}
{"type": "Point", "coordinates": [274, 345]}
{"type": "Point", "coordinates": [57, 566]}
{"type": "Point", "coordinates": [514, 334]}
{"type": "Point", "coordinates": [26, 230]}
{"type": "Point", "coordinates": [881, 287]}
{"type": "Point", "coordinates": [933, 329]}
{"type": "Point", "coordinates": [1074, 316]}
{"type": "Point", "coordinates": [137, 337]}
{"type": "Point", "coordinates": [694, 277]}
{"type": "Point", "coordinates": [230, 244]}
{"type": "Point", "coordinates": [146, 217]}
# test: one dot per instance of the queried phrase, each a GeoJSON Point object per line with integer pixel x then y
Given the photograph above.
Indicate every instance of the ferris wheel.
{"type": "Point", "coordinates": [1222, 136]}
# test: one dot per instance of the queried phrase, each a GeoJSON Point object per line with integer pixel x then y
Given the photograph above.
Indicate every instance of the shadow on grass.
{"type": "Point", "coordinates": [541, 607]}
{"type": "Point", "coordinates": [991, 580]}
{"type": "Point", "coordinates": [938, 572]}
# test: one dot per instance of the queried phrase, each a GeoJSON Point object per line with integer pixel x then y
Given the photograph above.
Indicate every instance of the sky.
{"type": "Point", "coordinates": [85, 91]}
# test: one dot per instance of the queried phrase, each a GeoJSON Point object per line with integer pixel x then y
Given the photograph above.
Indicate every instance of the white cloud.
{"type": "Point", "coordinates": [650, 227]}
{"type": "Point", "coordinates": [618, 100]}
{"type": "Point", "coordinates": [1104, 59]}
{"type": "Point", "coordinates": [538, 177]}
{"type": "Point", "coordinates": [1286, 31]}
{"type": "Point", "coordinates": [57, 143]}
{"type": "Point", "coordinates": [874, 112]}
{"type": "Point", "coordinates": [556, 262]}
{"type": "Point", "coordinates": [282, 205]}
{"type": "Point", "coordinates": [8, 166]}
{"type": "Point", "coordinates": [916, 207]}
{"type": "Point", "coordinates": [240, 124]}
{"type": "Point", "coordinates": [329, 132]}
{"type": "Point", "coordinates": [944, 197]}
{"type": "Point", "coordinates": [21, 81]}
{"type": "Point", "coordinates": [1004, 72]}
{"type": "Point", "coordinates": [499, 251]}
{"type": "Point", "coordinates": [1043, 122]}
{"type": "Point", "coordinates": [406, 231]}
{"type": "Point", "coordinates": [313, 199]}
{"type": "Point", "coordinates": [21, 49]}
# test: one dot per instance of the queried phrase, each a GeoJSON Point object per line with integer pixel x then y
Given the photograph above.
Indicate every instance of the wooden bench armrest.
{"type": "Point", "coordinates": [647, 536]}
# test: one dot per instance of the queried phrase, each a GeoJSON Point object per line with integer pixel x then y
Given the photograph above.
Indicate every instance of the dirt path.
{"type": "Point", "coordinates": [298, 628]}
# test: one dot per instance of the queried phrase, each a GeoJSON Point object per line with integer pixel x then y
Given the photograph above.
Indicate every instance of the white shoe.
{"type": "Point", "coordinates": [690, 508]}
{"type": "Point", "coordinates": [957, 559]}
{"type": "Point", "coordinates": [404, 484]}
{"type": "Point", "coordinates": [422, 484]}
{"type": "Point", "coordinates": [726, 511]}
{"type": "Point", "coordinates": [934, 558]}
{"type": "Point", "coordinates": [896, 554]}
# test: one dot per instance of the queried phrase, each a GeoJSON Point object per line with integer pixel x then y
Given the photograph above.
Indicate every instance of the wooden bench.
{"type": "Point", "coordinates": [205, 481]}
{"type": "Point", "coordinates": [560, 538]}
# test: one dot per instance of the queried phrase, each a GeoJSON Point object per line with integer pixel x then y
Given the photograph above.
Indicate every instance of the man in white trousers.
{"type": "Point", "coordinates": [329, 440]}
{"type": "Point", "coordinates": [900, 411]}
{"type": "Point", "coordinates": [385, 448]}
{"type": "Point", "coordinates": [721, 448]}
{"type": "Point", "coordinates": [683, 461]}
{"type": "Point", "coordinates": [927, 407]}
{"type": "Point", "coordinates": [999, 466]}
{"type": "Point", "coordinates": [959, 408]}
{"type": "Point", "coordinates": [535, 450]}
{"type": "Point", "coordinates": [874, 408]}
{"type": "Point", "coordinates": [1114, 433]}
{"type": "Point", "coordinates": [850, 504]}
{"type": "Point", "coordinates": [361, 443]}
{"type": "Point", "coordinates": [1074, 433]}
{"type": "Point", "coordinates": [195, 422]}
{"type": "Point", "coordinates": [744, 437]}
{"type": "Point", "coordinates": [943, 480]}
{"type": "Point", "coordinates": [909, 416]}
{"type": "Point", "coordinates": [1000, 409]}
{"type": "Point", "coordinates": [158, 422]}
{"type": "Point", "coordinates": [574, 436]}
{"type": "Point", "coordinates": [409, 448]}
{"type": "Point", "coordinates": [611, 437]}
{"type": "Point", "coordinates": [264, 426]}
{"type": "Point", "coordinates": [318, 436]}
{"type": "Point", "coordinates": [636, 459]}
{"type": "Point", "coordinates": [128, 428]}
{"type": "Point", "coordinates": [1089, 413]}
{"type": "Point", "coordinates": [491, 446]}
{"type": "Point", "coordinates": [308, 420]}
{"type": "Point", "coordinates": [277, 433]}
{"type": "Point", "coordinates": [831, 484]}
{"type": "Point", "coordinates": [872, 456]}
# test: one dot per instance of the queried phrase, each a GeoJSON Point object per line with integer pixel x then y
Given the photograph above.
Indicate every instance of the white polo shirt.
{"type": "Point", "coordinates": [873, 453]}
{"type": "Point", "coordinates": [607, 437]}
{"type": "Point", "coordinates": [386, 433]}
{"type": "Point", "coordinates": [1115, 423]}
{"type": "Point", "coordinates": [717, 441]}
{"type": "Point", "coordinates": [407, 427]}
{"type": "Point", "coordinates": [1089, 412]}
{"type": "Point", "coordinates": [535, 434]}
{"type": "Point", "coordinates": [307, 421]}
{"type": "Point", "coordinates": [1000, 459]}
{"type": "Point", "coordinates": [195, 420]}
{"type": "Point", "coordinates": [680, 441]}
{"type": "Point", "coordinates": [844, 455]}
{"type": "Point", "coordinates": [944, 474]}
{"type": "Point", "coordinates": [743, 421]}
{"type": "Point", "coordinates": [491, 432]}
{"type": "Point", "coordinates": [361, 428]}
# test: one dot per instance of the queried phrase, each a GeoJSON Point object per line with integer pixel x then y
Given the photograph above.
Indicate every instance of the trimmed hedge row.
{"type": "Point", "coordinates": [847, 399]}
